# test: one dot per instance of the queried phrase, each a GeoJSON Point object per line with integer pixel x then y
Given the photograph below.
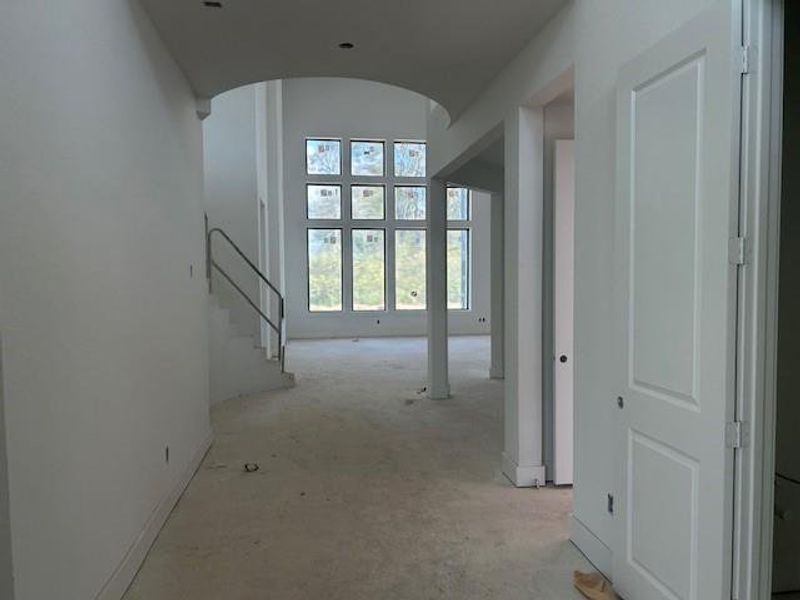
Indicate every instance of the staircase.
{"type": "Point", "coordinates": [238, 365]}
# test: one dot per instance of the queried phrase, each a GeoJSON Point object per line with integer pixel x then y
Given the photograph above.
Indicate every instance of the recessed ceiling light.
{"type": "Point", "coordinates": [212, 4]}
{"type": "Point", "coordinates": [347, 45]}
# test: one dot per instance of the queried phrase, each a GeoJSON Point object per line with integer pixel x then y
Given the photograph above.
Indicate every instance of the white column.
{"type": "Point", "coordinates": [438, 386]}
{"type": "Point", "coordinates": [497, 369]}
{"type": "Point", "coordinates": [524, 143]}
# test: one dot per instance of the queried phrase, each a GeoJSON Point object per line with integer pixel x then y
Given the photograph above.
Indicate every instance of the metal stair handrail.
{"type": "Point", "coordinates": [212, 264]}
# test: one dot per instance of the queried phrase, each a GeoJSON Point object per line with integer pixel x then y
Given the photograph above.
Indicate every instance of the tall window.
{"type": "Point", "coordinates": [367, 233]}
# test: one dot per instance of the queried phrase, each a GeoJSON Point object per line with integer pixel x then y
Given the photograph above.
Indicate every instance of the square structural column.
{"type": "Point", "coordinates": [523, 461]}
{"type": "Point", "coordinates": [497, 260]}
{"type": "Point", "coordinates": [438, 378]}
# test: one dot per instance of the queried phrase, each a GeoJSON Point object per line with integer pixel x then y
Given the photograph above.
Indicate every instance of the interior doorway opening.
{"type": "Point", "coordinates": [558, 272]}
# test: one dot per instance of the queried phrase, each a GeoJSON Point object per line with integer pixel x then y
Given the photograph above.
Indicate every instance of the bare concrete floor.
{"type": "Point", "coordinates": [366, 490]}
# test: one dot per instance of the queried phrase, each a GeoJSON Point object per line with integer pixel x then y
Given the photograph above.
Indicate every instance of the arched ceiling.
{"type": "Point", "coordinates": [448, 50]}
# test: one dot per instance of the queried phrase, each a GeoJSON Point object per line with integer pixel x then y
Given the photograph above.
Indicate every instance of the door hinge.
{"type": "Point", "coordinates": [610, 505]}
{"type": "Point", "coordinates": [737, 251]}
{"type": "Point", "coordinates": [737, 435]}
{"type": "Point", "coordinates": [744, 58]}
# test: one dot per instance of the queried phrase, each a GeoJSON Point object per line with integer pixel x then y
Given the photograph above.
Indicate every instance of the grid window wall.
{"type": "Point", "coordinates": [366, 226]}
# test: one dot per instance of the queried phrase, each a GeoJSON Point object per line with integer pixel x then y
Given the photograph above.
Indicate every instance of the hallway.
{"type": "Point", "coordinates": [366, 490]}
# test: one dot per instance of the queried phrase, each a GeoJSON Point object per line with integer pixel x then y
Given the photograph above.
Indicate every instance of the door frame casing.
{"type": "Point", "coordinates": [762, 96]}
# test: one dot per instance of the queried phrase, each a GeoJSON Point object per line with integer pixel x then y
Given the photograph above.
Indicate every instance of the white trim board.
{"type": "Point", "coordinates": [123, 576]}
{"type": "Point", "coordinates": [523, 475]}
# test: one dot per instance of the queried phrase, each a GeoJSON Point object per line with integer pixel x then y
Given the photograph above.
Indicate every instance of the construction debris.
{"type": "Point", "coordinates": [594, 586]}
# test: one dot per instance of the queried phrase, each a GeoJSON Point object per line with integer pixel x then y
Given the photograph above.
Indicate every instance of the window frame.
{"type": "Point", "coordinates": [394, 163]}
{"type": "Point", "coordinates": [467, 229]}
{"type": "Point", "coordinates": [323, 138]}
{"type": "Point", "coordinates": [468, 206]}
{"type": "Point", "coordinates": [327, 184]}
{"type": "Point", "coordinates": [390, 224]}
{"type": "Point", "coordinates": [342, 270]}
{"type": "Point", "coordinates": [353, 308]}
{"type": "Point", "coordinates": [467, 225]}
{"type": "Point", "coordinates": [425, 230]}
{"type": "Point", "coordinates": [362, 185]}
{"type": "Point", "coordinates": [384, 144]}
{"type": "Point", "coordinates": [398, 186]}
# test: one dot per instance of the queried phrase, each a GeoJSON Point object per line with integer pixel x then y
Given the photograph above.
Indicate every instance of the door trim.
{"type": "Point", "coordinates": [762, 92]}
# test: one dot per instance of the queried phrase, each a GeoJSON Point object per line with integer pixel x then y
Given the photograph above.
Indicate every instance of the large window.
{"type": "Point", "coordinates": [367, 234]}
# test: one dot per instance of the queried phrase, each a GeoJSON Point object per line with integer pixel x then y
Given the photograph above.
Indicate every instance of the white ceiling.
{"type": "Point", "coordinates": [447, 50]}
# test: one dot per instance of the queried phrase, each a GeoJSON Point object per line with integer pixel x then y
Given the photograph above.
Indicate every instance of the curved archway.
{"type": "Point", "coordinates": [447, 50]}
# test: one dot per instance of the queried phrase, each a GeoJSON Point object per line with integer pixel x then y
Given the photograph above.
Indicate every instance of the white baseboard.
{"type": "Point", "coordinates": [591, 547]}
{"type": "Point", "coordinates": [497, 373]}
{"type": "Point", "coordinates": [523, 476]}
{"type": "Point", "coordinates": [123, 575]}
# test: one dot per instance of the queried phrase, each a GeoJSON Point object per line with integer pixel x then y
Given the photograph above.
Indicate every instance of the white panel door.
{"type": "Point", "coordinates": [563, 308]}
{"type": "Point", "coordinates": [677, 212]}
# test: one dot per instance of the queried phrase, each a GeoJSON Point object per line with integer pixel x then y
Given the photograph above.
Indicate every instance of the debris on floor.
{"type": "Point", "coordinates": [594, 586]}
{"type": "Point", "coordinates": [251, 467]}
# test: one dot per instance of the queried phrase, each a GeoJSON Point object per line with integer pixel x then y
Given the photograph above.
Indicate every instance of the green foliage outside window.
{"type": "Point", "coordinates": [369, 277]}
{"type": "Point", "coordinates": [324, 270]}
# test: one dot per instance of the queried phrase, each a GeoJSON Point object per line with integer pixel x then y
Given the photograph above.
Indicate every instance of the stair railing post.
{"type": "Point", "coordinates": [208, 253]}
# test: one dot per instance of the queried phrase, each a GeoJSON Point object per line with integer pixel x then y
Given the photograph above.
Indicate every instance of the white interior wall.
{"type": "Point", "coordinates": [594, 38]}
{"type": "Point", "coordinates": [232, 195]}
{"type": "Point", "coordinates": [103, 300]}
{"type": "Point", "coordinates": [327, 107]}
{"type": "Point", "coordinates": [273, 177]}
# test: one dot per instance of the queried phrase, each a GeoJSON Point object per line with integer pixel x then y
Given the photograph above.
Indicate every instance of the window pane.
{"type": "Point", "coordinates": [458, 269]}
{"type": "Point", "coordinates": [324, 270]}
{"type": "Point", "coordinates": [409, 259]}
{"type": "Point", "coordinates": [409, 203]}
{"type": "Point", "coordinates": [409, 159]}
{"type": "Point", "coordinates": [323, 157]}
{"type": "Point", "coordinates": [366, 158]}
{"type": "Point", "coordinates": [367, 202]}
{"type": "Point", "coordinates": [324, 201]}
{"type": "Point", "coordinates": [369, 277]}
{"type": "Point", "coordinates": [457, 204]}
